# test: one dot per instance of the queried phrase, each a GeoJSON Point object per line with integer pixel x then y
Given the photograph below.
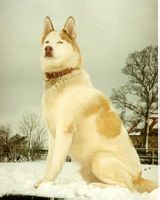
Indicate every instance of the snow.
{"type": "Point", "coordinates": [19, 178]}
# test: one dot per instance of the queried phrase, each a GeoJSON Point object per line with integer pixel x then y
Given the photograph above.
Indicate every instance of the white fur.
{"type": "Point", "coordinates": [112, 160]}
{"type": "Point", "coordinates": [64, 54]}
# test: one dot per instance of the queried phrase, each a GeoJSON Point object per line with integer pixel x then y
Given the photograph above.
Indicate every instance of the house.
{"type": "Point", "coordinates": [135, 133]}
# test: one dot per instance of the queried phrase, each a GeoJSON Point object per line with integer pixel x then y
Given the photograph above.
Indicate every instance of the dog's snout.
{"type": "Point", "coordinates": [48, 49]}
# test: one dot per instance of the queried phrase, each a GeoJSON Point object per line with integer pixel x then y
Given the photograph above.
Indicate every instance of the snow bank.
{"type": "Point", "coordinates": [18, 178]}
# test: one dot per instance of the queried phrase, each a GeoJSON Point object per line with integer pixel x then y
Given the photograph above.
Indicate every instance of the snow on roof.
{"type": "Point", "coordinates": [19, 178]}
{"type": "Point", "coordinates": [136, 127]}
{"type": "Point", "coordinates": [135, 133]}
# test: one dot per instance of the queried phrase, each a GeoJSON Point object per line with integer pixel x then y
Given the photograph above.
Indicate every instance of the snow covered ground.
{"type": "Point", "coordinates": [18, 178]}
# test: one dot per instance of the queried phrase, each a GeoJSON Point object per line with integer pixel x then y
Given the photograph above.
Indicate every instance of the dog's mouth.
{"type": "Point", "coordinates": [51, 56]}
{"type": "Point", "coordinates": [48, 55]}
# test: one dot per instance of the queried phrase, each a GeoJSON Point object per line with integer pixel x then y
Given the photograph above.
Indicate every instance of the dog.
{"type": "Point", "coordinates": [82, 122]}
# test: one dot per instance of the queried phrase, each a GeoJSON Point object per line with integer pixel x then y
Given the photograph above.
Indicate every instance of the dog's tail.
{"type": "Point", "coordinates": [145, 185]}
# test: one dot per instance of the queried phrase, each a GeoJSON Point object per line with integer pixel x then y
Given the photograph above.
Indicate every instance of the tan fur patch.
{"type": "Point", "coordinates": [108, 124]}
{"type": "Point", "coordinates": [145, 185]}
{"type": "Point", "coordinates": [138, 176]}
{"type": "Point", "coordinates": [95, 106]}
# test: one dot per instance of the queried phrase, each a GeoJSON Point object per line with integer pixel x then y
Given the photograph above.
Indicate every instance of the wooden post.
{"type": "Point", "coordinates": [147, 136]}
{"type": "Point", "coordinates": [152, 156]}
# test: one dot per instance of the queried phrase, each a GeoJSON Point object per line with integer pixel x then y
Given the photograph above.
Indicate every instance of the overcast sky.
{"type": "Point", "coordinates": [107, 32]}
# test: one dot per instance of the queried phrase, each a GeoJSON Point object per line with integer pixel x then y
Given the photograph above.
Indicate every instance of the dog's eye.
{"type": "Point", "coordinates": [59, 42]}
{"type": "Point", "coordinates": [47, 42]}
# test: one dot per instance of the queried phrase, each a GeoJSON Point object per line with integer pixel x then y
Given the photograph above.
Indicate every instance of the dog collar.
{"type": "Point", "coordinates": [56, 74]}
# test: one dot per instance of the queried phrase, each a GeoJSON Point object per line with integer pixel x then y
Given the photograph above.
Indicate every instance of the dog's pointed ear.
{"type": "Point", "coordinates": [69, 27]}
{"type": "Point", "coordinates": [48, 26]}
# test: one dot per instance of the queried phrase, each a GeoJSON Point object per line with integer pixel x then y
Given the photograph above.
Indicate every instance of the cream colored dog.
{"type": "Point", "coordinates": [81, 121]}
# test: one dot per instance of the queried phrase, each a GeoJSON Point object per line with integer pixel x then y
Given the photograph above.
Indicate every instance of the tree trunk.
{"type": "Point", "coordinates": [147, 135]}
{"type": "Point", "coordinates": [146, 131]}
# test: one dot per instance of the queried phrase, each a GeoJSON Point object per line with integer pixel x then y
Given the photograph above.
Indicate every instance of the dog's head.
{"type": "Point", "coordinates": [59, 48]}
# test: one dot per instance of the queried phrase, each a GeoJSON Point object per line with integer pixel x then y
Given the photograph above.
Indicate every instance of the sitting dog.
{"type": "Point", "coordinates": [82, 123]}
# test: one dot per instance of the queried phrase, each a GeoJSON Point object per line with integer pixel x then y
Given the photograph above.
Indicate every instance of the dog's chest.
{"type": "Point", "coordinates": [50, 106]}
{"type": "Point", "coordinates": [57, 106]}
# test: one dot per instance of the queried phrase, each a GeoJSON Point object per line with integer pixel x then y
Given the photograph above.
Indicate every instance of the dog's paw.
{"type": "Point", "coordinates": [46, 179]}
{"type": "Point", "coordinates": [38, 182]}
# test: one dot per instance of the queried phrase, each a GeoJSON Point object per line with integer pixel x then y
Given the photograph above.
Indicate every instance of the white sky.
{"type": "Point", "coordinates": [107, 32]}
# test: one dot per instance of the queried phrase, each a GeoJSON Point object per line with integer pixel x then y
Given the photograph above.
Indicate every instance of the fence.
{"type": "Point", "coordinates": [148, 156]}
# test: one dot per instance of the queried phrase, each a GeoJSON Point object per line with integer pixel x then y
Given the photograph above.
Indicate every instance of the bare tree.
{"type": "Point", "coordinates": [31, 127]}
{"type": "Point", "coordinates": [11, 146]}
{"type": "Point", "coordinates": [17, 147]}
{"type": "Point", "coordinates": [5, 132]}
{"type": "Point", "coordinates": [140, 94]}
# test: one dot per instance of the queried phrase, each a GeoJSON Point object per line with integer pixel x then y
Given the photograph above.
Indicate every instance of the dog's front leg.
{"type": "Point", "coordinates": [49, 159]}
{"type": "Point", "coordinates": [50, 153]}
{"type": "Point", "coordinates": [62, 144]}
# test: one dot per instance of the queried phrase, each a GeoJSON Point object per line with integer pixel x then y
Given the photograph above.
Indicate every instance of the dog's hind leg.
{"type": "Point", "coordinates": [110, 170]}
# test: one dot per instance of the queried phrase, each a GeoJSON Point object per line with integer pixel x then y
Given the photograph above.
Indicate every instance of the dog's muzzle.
{"type": "Point", "coordinates": [48, 51]}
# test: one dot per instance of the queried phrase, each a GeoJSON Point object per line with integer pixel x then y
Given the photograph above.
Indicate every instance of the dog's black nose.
{"type": "Point", "coordinates": [48, 49]}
